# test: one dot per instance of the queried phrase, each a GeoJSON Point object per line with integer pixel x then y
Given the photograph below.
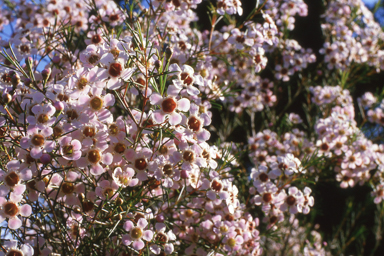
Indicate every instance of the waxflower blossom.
{"type": "Point", "coordinates": [11, 209]}
{"type": "Point", "coordinates": [13, 177]}
{"type": "Point", "coordinates": [136, 234]}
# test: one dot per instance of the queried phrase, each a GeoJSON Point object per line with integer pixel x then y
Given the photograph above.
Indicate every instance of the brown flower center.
{"type": "Point", "coordinates": [216, 185]}
{"type": "Point", "coordinates": [11, 179]}
{"type": "Point", "coordinates": [67, 188]}
{"type": "Point", "coordinates": [115, 69]}
{"type": "Point", "coordinates": [119, 148]}
{"type": "Point", "coordinates": [89, 131]}
{"type": "Point", "coordinates": [68, 150]}
{"type": "Point", "coordinates": [136, 233]}
{"type": "Point", "coordinates": [161, 237]}
{"type": "Point", "coordinates": [187, 79]}
{"type": "Point", "coordinates": [14, 252]}
{"type": "Point", "coordinates": [267, 197]}
{"type": "Point", "coordinates": [94, 156]}
{"type": "Point", "coordinates": [291, 200]}
{"type": "Point", "coordinates": [194, 124]}
{"type": "Point", "coordinates": [188, 156]}
{"type": "Point", "coordinates": [263, 177]}
{"type": "Point", "coordinates": [168, 105]}
{"type": "Point", "coordinates": [96, 39]}
{"type": "Point", "coordinates": [168, 170]}
{"type": "Point", "coordinates": [140, 164]}
{"type": "Point", "coordinates": [96, 103]}
{"type": "Point", "coordinates": [38, 140]}
{"type": "Point", "coordinates": [72, 115]}
{"type": "Point", "coordinates": [93, 59]}
{"type": "Point", "coordinates": [10, 209]}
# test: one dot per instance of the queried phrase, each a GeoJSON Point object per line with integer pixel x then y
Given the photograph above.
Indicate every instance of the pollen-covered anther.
{"type": "Point", "coordinates": [38, 140]}
{"type": "Point", "coordinates": [168, 105]}
{"type": "Point", "coordinates": [43, 118]}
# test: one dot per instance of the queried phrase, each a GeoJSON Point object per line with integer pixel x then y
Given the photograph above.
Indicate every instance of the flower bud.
{"type": "Point", "coordinates": [160, 218]}
{"type": "Point", "coordinates": [46, 72]}
{"type": "Point", "coordinates": [157, 64]}
{"type": "Point", "coordinates": [6, 98]}
{"type": "Point", "coordinates": [58, 105]}
{"type": "Point", "coordinates": [81, 197]}
{"type": "Point", "coordinates": [45, 158]}
{"type": "Point", "coordinates": [77, 209]}
{"type": "Point", "coordinates": [119, 201]}
{"type": "Point", "coordinates": [184, 174]}
{"type": "Point", "coordinates": [15, 79]}
{"type": "Point", "coordinates": [168, 53]}
{"type": "Point", "coordinates": [56, 59]}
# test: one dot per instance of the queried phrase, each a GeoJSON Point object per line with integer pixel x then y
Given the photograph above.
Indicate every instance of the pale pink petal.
{"type": "Point", "coordinates": [27, 249]}
{"type": "Point", "coordinates": [126, 240]}
{"type": "Point", "coordinates": [127, 73]}
{"type": "Point", "coordinates": [14, 164]}
{"type": "Point", "coordinates": [148, 235]}
{"type": "Point", "coordinates": [25, 210]}
{"type": "Point", "coordinates": [175, 118]}
{"type": "Point", "coordinates": [128, 225]}
{"type": "Point", "coordinates": [158, 117]}
{"type": "Point", "coordinates": [109, 100]}
{"type": "Point", "coordinates": [183, 105]}
{"type": "Point", "coordinates": [76, 145]}
{"type": "Point", "coordinates": [19, 189]}
{"type": "Point", "coordinates": [142, 223]}
{"type": "Point", "coordinates": [107, 158]}
{"type": "Point", "coordinates": [14, 223]}
{"type": "Point", "coordinates": [155, 99]}
{"type": "Point", "coordinates": [174, 89]}
{"type": "Point", "coordinates": [138, 245]}
{"type": "Point", "coordinates": [97, 169]}
{"type": "Point", "coordinates": [192, 90]}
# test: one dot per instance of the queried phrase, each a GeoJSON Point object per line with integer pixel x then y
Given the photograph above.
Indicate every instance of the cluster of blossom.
{"type": "Point", "coordinates": [294, 236]}
{"type": "Point", "coordinates": [342, 141]}
{"type": "Point", "coordinates": [274, 192]}
{"type": "Point", "coordinates": [265, 146]}
{"type": "Point", "coordinates": [372, 108]}
{"type": "Point", "coordinates": [72, 153]}
{"type": "Point", "coordinates": [354, 36]}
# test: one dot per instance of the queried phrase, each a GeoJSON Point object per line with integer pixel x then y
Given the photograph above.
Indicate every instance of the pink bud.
{"type": "Point", "coordinates": [58, 105]}
{"type": "Point", "coordinates": [160, 218]}
{"type": "Point", "coordinates": [56, 59]}
{"type": "Point", "coordinates": [45, 158]}
{"type": "Point", "coordinates": [46, 72]}
{"type": "Point", "coordinates": [184, 174]}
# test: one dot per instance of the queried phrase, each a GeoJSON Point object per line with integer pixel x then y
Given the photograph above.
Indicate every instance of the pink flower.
{"type": "Point", "coordinates": [136, 234]}
{"type": "Point", "coordinates": [13, 177]}
{"type": "Point", "coordinates": [36, 141]}
{"type": "Point", "coordinates": [11, 208]}
{"type": "Point", "coordinates": [70, 149]}
{"type": "Point", "coordinates": [11, 247]}
{"type": "Point", "coordinates": [168, 106]}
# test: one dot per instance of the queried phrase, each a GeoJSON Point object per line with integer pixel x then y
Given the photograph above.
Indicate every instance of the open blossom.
{"type": "Point", "coordinates": [11, 209]}
{"type": "Point", "coordinates": [12, 249]}
{"type": "Point", "coordinates": [70, 149]}
{"type": "Point", "coordinates": [115, 70]}
{"type": "Point", "coordinates": [136, 234]}
{"type": "Point", "coordinates": [13, 177]}
{"type": "Point", "coordinates": [168, 106]}
{"type": "Point", "coordinates": [37, 141]}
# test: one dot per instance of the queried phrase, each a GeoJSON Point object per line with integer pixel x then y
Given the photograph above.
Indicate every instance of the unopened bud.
{"type": "Point", "coordinates": [160, 218]}
{"type": "Point", "coordinates": [120, 216]}
{"type": "Point", "coordinates": [119, 201]}
{"type": "Point", "coordinates": [56, 59]}
{"type": "Point", "coordinates": [184, 174]}
{"type": "Point", "coordinates": [81, 197]}
{"type": "Point", "coordinates": [6, 98]}
{"type": "Point", "coordinates": [77, 209]}
{"type": "Point", "coordinates": [15, 79]}
{"type": "Point", "coordinates": [157, 64]}
{"type": "Point", "coordinates": [46, 72]}
{"type": "Point", "coordinates": [58, 105]}
{"type": "Point", "coordinates": [214, 79]}
{"type": "Point", "coordinates": [27, 82]}
{"type": "Point", "coordinates": [45, 158]}
{"type": "Point", "coordinates": [28, 60]}
{"type": "Point", "coordinates": [168, 53]}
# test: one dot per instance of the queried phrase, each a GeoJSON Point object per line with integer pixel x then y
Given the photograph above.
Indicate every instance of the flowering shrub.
{"type": "Point", "coordinates": [127, 130]}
